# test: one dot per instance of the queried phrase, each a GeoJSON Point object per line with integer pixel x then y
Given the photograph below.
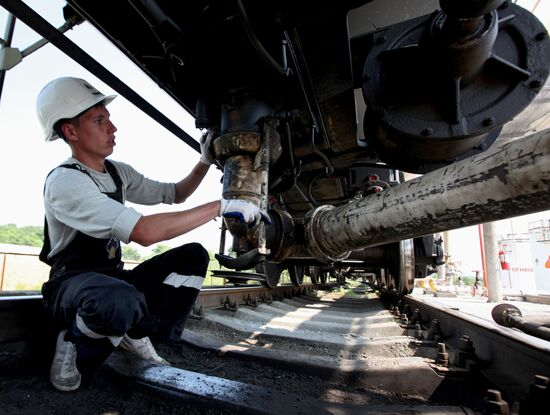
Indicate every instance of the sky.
{"type": "Point", "coordinates": [25, 159]}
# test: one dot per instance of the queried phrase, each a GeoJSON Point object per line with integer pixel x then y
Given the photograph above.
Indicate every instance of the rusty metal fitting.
{"type": "Point", "coordinates": [266, 299]}
{"type": "Point", "coordinates": [466, 355]}
{"type": "Point", "coordinates": [241, 181]}
{"type": "Point", "coordinates": [232, 144]}
{"type": "Point", "coordinates": [197, 312]}
{"type": "Point", "coordinates": [434, 332]}
{"type": "Point", "coordinates": [230, 305]}
{"type": "Point", "coordinates": [442, 358]}
{"type": "Point", "coordinates": [418, 332]}
{"type": "Point", "coordinates": [494, 404]}
{"type": "Point", "coordinates": [537, 396]}
{"type": "Point", "coordinates": [317, 240]}
{"type": "Point", "coordinates": [281, 236]}
{"type": "Point", "coordinates": [250, 301]}
{"type": "Point", "coordinates": [416, 317]}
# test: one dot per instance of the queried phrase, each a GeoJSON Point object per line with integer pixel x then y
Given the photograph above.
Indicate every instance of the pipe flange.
{"type": "Point", "coordinates": [314, 241]}
{"type": "Point", "coordinates": [231, 144]}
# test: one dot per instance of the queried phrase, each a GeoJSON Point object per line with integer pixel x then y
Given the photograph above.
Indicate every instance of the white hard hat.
{"type": "Point", "coordinates": [65, 98]}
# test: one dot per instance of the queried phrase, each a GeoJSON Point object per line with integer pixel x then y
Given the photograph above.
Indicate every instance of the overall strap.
{"type": "Point", "coordinates": [117, 195]}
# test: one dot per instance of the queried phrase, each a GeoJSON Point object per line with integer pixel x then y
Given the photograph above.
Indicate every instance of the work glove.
{"type": "Point", "coordinates": [243, 211]}
{"type": "Point", "coordinates": [207, 157]}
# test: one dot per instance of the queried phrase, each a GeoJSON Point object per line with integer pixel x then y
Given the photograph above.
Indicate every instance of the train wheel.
{"type": "Point", "coordinates": [272, 272]}
{"type": "Point", "coordinates": [314, 275]}
{"type": "Point", "coordinates": [401, 266]}
{"type": "Point", "coordinates": [296, 273]}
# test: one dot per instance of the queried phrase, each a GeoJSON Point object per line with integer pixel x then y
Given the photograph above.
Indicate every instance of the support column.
{"type": "Point", "coordinates": [490, 244]}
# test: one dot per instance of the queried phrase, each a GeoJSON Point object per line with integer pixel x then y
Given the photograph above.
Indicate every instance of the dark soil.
{"type": "Point", "coordinates": [25, 389]}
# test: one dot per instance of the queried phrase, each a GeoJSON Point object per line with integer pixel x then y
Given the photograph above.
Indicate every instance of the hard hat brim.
{"type": "Point", "coordinates": [106, 99]}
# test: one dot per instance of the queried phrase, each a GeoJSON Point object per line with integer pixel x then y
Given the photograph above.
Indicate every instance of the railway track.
{"type": "Point", "coordinates": [305, 350]}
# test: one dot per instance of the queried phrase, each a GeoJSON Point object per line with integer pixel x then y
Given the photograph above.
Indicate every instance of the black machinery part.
{"type": "Point", "coordinates": [438, 88]}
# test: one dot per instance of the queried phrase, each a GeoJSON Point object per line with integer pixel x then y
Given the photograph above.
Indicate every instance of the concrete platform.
{"type": "Point", "coordinates": [480, 307]}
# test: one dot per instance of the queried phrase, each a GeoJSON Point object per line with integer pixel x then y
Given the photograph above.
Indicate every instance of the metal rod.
{"type": "Point", "coordinates": [491, 278]}
{"type": "Point", "coordinates": [3, 271]}
{"type": "Point", "coordinates": [508, 180]}
{"type": "Point", "coordinates": [68, 25]}
{"type": "Point", "coordinates": [8, 36]}
{"type": "Point", "coordinates": [264, 159]}
{"type": "Point", "coordinates": [482, 251]}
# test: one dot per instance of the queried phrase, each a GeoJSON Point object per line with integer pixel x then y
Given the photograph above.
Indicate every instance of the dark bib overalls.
{"type": "Point", "coordinates": [87, 280]}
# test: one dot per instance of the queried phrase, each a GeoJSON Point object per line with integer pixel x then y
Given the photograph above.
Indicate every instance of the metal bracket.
{"type": "Point", "coordinates": [9, 57]}
{"type": "Point", "coordinates": [244, 261]}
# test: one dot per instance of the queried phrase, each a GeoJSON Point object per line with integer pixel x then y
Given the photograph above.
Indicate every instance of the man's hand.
{"type": "Point", "coordinates": [243, 210]}
{"type": "Point", "coordinates": [206, 148]}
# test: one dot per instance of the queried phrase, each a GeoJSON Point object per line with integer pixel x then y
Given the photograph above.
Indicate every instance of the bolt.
{"type": "Point", "coordinates": [416, 317]}
{"type": "Point", "coordinates": [442, 355]}
{"type": "Point", "coordinates": [426, 132]}
{"type": "Point", "coordinates": [434, 332]}
{"type": "Point", "coordinates": [404, 319]}
{"type": "Point", "coordinates": [537, 394]}
{"type": "Point", "coordinates": [494, 404]}
{"type": "Point", "coordinates": [465, 353]}
{"type": "Point", "coordinates": [418, 332]}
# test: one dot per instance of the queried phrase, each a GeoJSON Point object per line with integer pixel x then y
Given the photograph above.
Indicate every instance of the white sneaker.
{"type": "Point", "coordinates": [142, 348]}
{"type": "Point", "coordinates": [64, 374]}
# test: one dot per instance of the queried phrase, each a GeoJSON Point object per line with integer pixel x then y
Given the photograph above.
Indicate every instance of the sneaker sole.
{"type": "Point", "coordinates": [65, 388]}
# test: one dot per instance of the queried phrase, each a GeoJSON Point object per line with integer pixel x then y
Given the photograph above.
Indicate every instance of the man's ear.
{"type": "Point", "coordinates": [69, 131]}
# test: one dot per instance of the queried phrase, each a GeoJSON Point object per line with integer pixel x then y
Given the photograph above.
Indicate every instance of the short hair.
{"type": "Point", "coordinates": [75, 120]}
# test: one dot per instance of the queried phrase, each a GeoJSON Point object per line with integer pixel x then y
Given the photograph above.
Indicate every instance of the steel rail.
{"type": "Point", "coordinates": [21, 312]}
{"type": "Point", "coordinates": [508, 358]}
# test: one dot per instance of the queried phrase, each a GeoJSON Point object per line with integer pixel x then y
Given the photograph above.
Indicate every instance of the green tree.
{"type": "Point", "coordinates": [157, 250]}
{"type": "Point", "coordinates": [160, 249]}
{"type": "Point", "coordinates": [26, 235]}
{"type": "Point", "coordinates": [130, 253]}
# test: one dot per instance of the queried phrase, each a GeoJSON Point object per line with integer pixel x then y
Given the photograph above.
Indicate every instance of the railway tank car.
{"type": "Point", "coordinates": [319, 114]}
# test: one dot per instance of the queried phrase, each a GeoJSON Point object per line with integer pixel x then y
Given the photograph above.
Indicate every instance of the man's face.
{"type": "Point", "coordinates": [94, 133]}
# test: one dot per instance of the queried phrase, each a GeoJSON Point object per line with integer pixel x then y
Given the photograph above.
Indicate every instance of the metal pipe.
{"type": "Point", "coordinates": [482, 252]}
{"type": "Point", "coordinates": [8, 36]}
{"type": "Point", "coordinates": [509, 315]}
{"type": "Point", "coordinates": [508, 180]}
{"type": "Point", "coordinates": [491, 277]}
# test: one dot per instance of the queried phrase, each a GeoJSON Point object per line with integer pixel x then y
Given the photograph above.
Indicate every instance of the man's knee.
{"type": "Point", "coordinates": [116, 312]}
{"type": "Point", "coordinates": [200, 253]}
{"type": "Point", "coordinates": [192, 259]}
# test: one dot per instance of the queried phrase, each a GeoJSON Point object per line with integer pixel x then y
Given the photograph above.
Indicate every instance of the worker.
{"type": "Point", "coordinates": [93, 303]}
